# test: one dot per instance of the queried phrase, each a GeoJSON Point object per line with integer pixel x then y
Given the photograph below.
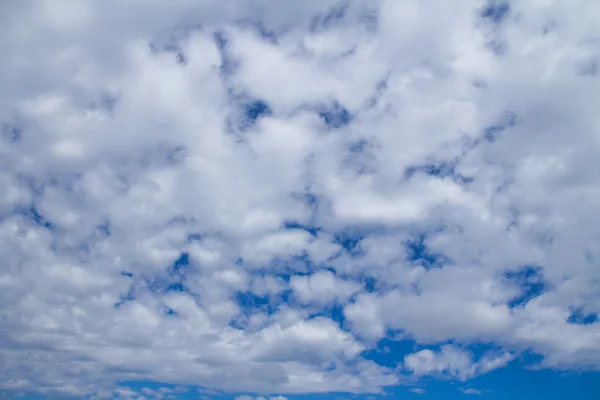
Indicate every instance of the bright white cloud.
{"type": "Point", "coordinates": [247, 196]}
{"type": "Point", "coordinates": [452, 362]}
{"type": "Point", "coordinates": [322, 287]}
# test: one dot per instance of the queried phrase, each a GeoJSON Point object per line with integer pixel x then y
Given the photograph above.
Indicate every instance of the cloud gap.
{"type": "Point", "coordinates": [496, 11]}
{"type": "Point", "coordinates": [335, 115]}
{"type": "Point", "coordinates": [531, 282]}
{"type": "Point", "coordinates": [417, 251]}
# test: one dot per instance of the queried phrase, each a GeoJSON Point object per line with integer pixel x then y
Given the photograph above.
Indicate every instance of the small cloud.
{"type": "Point", "coordinates": [496, 12]}
{"type": "Point", "coordinates": [418, 390]}
{"type": "Point", "coordinates": [247, 397]}
{"type": "Point", "coordinates": [472, 391]}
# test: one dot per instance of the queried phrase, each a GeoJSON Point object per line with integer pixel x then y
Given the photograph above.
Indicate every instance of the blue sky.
{"type": "Point", "coordinates": [267, 200]}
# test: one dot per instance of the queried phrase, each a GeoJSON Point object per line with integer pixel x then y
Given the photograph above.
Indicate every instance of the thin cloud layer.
{"type": "Point", "coordinates": [248, 196]}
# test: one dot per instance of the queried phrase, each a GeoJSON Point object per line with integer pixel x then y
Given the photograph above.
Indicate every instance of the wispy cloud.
{"type": "Point", "coordinates": [472, 391]}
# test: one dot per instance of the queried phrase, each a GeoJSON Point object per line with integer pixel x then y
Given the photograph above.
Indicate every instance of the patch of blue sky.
{"type": "Point", "coordinates": [166, 311]}
{"type": "Point", "coordinates": [335, 115]}
{"type": "Point", "coordinates": [246, 111]}
{"type": "Point", "coordinates": [162, 284]}
{"type": "Point", "coordinates": [282, 267]}
{"type": "Point", "coordinates": [333, 311]}
{"type": "Point", "coordinates": [295, 264]}
{"type": "Point", "coordinates": [495, 11]}
{"type": "Point", "coordinates": [349, 239]}
{"type": "Point", "coordinates": [253, 110]}
{"type": "Point", "coordinates": [530, 279]}
{"type": "Point", "coordinates": [580, 317]}
{"type": "Point", "coordinates": [292, 225]}
{"type": "Point", "coordinates": [389, 352]}
{"type": "Point", "coordinates": [441, 169]}
{"type": "Point", "coordinates": [358, 146]}
{"type": "Point", "coordinates": [194, 237]}
{"type": "Point", "coordinates": [418, 252]}
{"type": "Point", "coordinates": [251, 303]}
{"type": "Point", "coordinates": [493, 132]}
{"type": "Point", "coordinates": [519, 381]}
{"type": "Point", "coordinates": [173, 280]}
{"type": "Point", "coordinates": [181, 262]}
{"type": "Point", "coordinates": [33, 213]}
{"type": "Point", "coordinates": [369, 283]}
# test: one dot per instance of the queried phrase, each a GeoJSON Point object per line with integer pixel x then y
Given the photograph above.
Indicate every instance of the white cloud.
{"type": "Point", "coordinates": [472, 391]}
{"type": "Point", "coordinates": [322, 287]}
{"type": "Point", "coordinates": [126, 141]}
{"type": "Point", "coordinates": [247, 397]}
{"type": "Point", "coordinates": [452, 362]}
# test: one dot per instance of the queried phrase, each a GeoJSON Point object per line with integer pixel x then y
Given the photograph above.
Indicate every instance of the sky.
{"type": "Point", "coordinates": [293, 200]}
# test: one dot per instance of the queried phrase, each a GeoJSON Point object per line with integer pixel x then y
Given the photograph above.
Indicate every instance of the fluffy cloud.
{"type": "Point", "coordinates": [452, 362]}
{"type": "Point", "coordinates": [322, 287]}
{"type": "Point", "coordinates": [248, 195]}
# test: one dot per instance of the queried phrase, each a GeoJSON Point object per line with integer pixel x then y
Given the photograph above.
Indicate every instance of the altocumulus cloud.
{"type": "Point", "coordinates": [248, 196]}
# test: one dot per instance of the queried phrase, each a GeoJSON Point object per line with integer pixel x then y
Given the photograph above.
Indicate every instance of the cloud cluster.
{"type": "Point", "coordinates": [249, 195]}
{"type": "Point", "coordinates": [451, 362]}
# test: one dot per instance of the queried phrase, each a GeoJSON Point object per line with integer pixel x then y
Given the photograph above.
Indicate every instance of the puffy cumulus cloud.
{"type": "Point", "coordinates": [452, 362]}
{"type": "Point", "coordinates": [322, 287]}
{"type": "Point", "coordinates": [247, 196]}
